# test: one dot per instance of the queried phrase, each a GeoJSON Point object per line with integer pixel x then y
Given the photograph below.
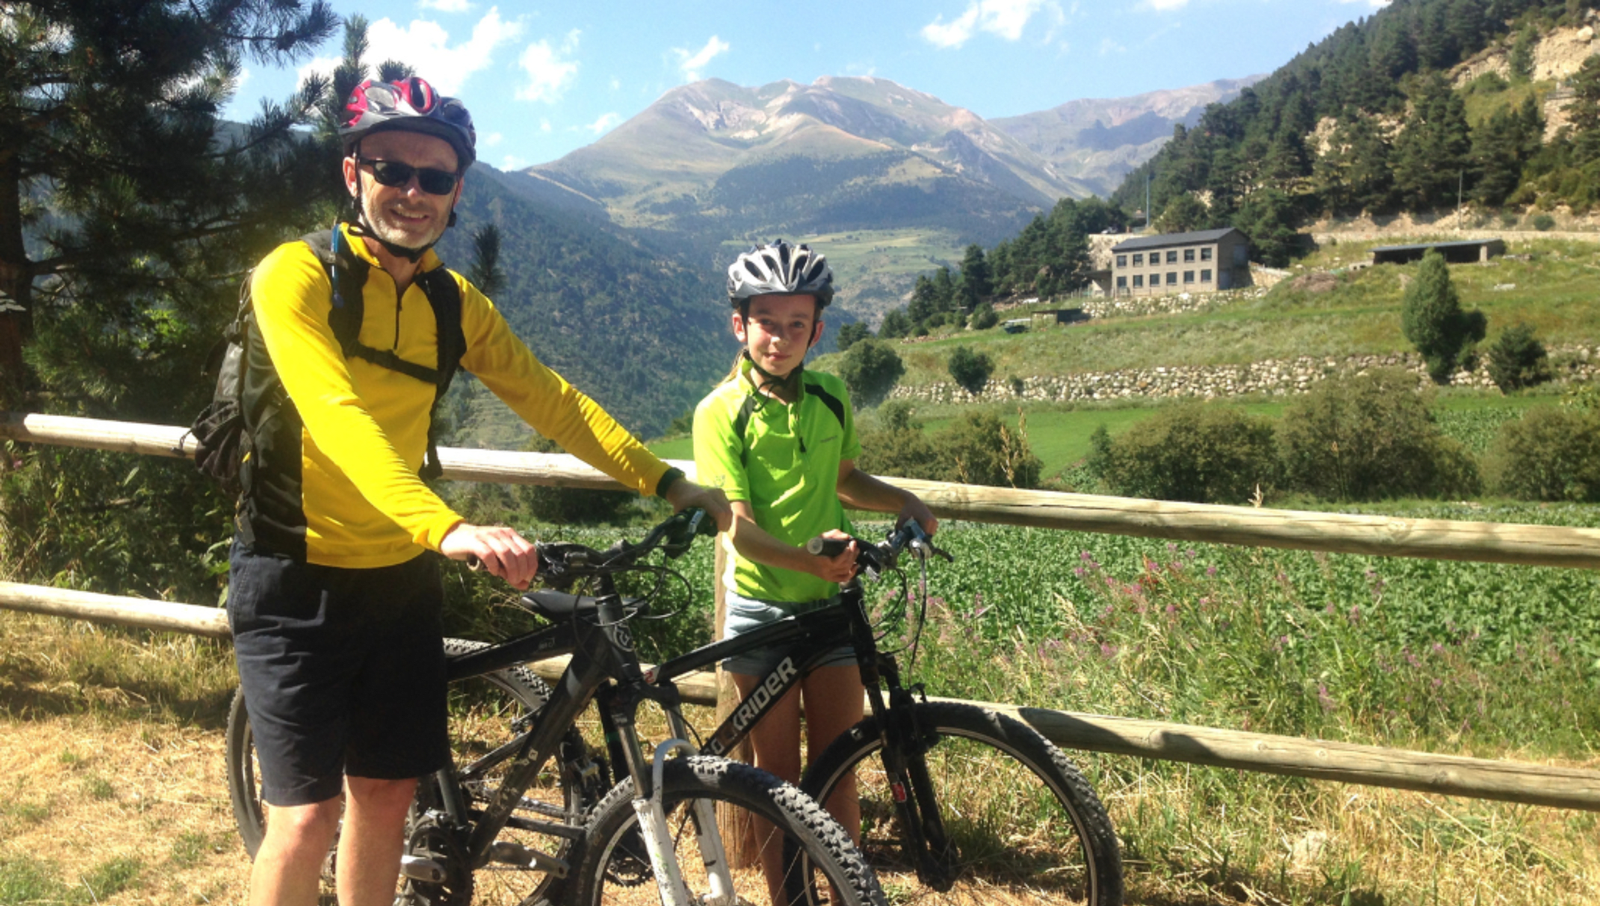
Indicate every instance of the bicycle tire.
{"type": "Point", "coordinates": [1020, 814]}
{"type": "Point", "coordinates": [498, 699]}
{"type": "Point", "coordinates": [737, 788]}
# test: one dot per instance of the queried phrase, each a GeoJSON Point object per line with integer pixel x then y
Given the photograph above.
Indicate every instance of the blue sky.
{"type": "Point", "coordinates": [543, 79]}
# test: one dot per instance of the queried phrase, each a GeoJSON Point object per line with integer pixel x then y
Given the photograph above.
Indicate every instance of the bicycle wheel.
{"type": "Point", "coordinates": [1027, 826]}
{"type": "Point", "coordinates": [481, 713]}
{"type": "Point", "coordinates": [615, 871]}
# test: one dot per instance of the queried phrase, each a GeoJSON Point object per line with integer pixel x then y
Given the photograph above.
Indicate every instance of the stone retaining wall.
{"type": "Point", "coordinates": [1273, 377]}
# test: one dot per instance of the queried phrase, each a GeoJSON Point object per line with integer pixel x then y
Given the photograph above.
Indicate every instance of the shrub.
{"type": "Point", "coordinates": [977, 449]}
{"type": "Point", "coordinates": [1544, 223]}
{"type": "Point", "coordinates": [984, 317]}
{"type": "Point", "coordinates": [895, 324]}
{"type": "Point", "coordinates": [1550, 453]}
{"type": "Point", "coordinates": [970, 370]}
{"type": "Point", "coordinates": [1204, 453]}
{"type": "Point", "coordinates": [1371, 437]}
{"type": "Point", "coordinates": [1433, 321]}
{"type": "Point", "coordinates": [981, 449]}
{"type": "Point", "coordinates": [870, 370]}
{"type": "Point", "coordinates": [893, 443]}
{"type": "Point", "coordinates": [1517, 359]}
{"type": "Point", "coordinates": [853, 333]}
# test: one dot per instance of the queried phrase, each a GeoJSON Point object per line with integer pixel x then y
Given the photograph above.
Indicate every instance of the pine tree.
{"type": "Point", "coordinates": [1432, 319]}
{"type": "Point", "coordinates": [1434, 148]}
{"type": "Point", "coordinates": [1584, 111]}
{"type": "Point", "coordinates": [1521, 59]}
{"type": "Point", "coordinates": [118, 184]}
{"type": "Point", "coordinates": [944, 290]}
{"type": "Point", "coordinates": [975, 283]}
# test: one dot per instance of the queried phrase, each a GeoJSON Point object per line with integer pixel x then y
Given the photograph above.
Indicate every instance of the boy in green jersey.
{"type": "Point", "coordinates": [781, 443]}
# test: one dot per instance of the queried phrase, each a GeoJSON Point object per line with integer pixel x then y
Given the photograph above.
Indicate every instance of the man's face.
{"type": "Point", "coordinates": [404, 215]}
{"type": "Point", "coordinates": [779, 330]}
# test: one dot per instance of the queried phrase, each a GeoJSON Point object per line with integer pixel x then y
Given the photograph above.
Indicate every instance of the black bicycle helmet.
{"type": "Point", "coordinates": [412, 105]}
{"type": "Point", "coordinates": [779, 268]}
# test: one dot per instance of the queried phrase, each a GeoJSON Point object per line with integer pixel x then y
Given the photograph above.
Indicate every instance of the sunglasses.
{"type": "Point", "coordinates": [396, 175]}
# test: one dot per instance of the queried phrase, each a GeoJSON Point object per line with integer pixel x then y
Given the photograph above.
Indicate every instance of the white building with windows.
{"type": "Point", "coordinates": [1199, 262]}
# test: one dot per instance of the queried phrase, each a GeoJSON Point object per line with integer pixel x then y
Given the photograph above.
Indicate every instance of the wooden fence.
{"type": "Point", "coordinates": [1331, 532]}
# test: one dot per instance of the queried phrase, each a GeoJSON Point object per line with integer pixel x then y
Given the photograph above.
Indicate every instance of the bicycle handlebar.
{"type": "Point", "coordinates": [562, 562]}
{"type": "Point", "coordinates": [884, 554]}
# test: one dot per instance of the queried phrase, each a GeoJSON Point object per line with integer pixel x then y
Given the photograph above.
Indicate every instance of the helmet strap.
{"type": "Point", "coordinates": [769, 381]}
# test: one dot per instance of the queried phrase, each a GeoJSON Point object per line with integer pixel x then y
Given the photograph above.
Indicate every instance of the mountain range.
{"type": "Point", "coordinates": [711, 164]}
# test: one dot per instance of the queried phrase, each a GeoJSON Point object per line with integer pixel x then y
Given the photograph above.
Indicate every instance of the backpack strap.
{"type": "Point", "coordinates": [348, 274]}
{"type": "Point", "coordinates": [444, 294]}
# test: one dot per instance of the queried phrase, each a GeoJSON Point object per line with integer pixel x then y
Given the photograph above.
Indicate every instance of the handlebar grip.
{"type": "Point", "coordinates": [826, 547]}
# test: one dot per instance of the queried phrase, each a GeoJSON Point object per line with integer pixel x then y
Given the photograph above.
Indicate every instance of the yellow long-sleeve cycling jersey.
{"type": "Point", "coordinates": [343, 489]}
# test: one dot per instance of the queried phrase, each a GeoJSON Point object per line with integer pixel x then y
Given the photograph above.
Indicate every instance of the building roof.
{"type": "Point", "coordinates": [1458, 244]}
{"type": "Point", "coordinates": [1166, 239]}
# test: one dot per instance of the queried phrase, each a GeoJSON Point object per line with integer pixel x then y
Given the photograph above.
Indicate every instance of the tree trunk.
{"type": "Point", "coordinates": [16, 285]}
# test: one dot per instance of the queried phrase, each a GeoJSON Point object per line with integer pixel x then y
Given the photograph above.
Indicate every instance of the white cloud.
{"type": "Point", "coordinates": [550, 70]}
{"type": "Point", "coordinates": [490, 140]}
{"type": "Point", "coordinates": [691, 63]}
{"type": "Point", "coordinates": [1165, 4]}
{"type": "Point", "coordinates": [1004, 18]}
{"type": "Point", "coordinates": [512, 162]}
{"type": "Point", "coordinates": [604, 123]}
{"type": "Point", "coordinates": [616, 84]}
{"type": "Point", "coordinates": [1108, 46]}
{"type": "Point", "coordinates": [425, 46]}
{"type": "Point", "coordinates": [323, 66]}
{"type": "Point", "coordinates": [544, 125]}
{"type": "Point", "coordinates": [446, 6]}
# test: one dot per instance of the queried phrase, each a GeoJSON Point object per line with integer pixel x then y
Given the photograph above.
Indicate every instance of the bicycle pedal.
{"type": "Point", "coordinates": [419, 869]}
{"type": "Point", "coordinates": [507, 853]}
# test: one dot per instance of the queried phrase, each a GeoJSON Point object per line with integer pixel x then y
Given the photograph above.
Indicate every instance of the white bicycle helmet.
{"type": "Point", "coordinates": [779, 268]}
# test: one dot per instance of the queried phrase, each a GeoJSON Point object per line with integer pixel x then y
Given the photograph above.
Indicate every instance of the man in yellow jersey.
{"type": "Point", "coordinates": [334, 599]}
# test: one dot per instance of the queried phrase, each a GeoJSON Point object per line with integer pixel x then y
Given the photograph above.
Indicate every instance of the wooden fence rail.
{"type": "Point", "coordinates": [1344, 762]}
{"type": "Point", "coordinates": [1436, 539]}
{"type": "Point", "coordinates": [1531, 545]}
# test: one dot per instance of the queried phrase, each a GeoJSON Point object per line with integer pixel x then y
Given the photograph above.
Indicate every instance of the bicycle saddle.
{"type": "Point", "coordinates": [555, 605]}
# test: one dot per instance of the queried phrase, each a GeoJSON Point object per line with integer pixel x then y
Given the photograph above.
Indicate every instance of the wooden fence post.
{"type": "Point", "coordinates": [738, 836]}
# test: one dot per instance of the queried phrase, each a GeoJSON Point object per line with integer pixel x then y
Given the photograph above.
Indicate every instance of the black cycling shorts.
{"type": "Point", "coordinates": [343, 671]}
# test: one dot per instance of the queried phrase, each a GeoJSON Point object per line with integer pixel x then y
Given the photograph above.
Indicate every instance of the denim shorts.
{"type": "Point", "coordinates": [745, 614]}
{"type": "Point", "coordinates": [343, 671]}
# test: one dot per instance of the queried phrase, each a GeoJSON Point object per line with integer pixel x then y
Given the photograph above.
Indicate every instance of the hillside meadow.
{"type": "Point", "coordinates": [1546, 283]}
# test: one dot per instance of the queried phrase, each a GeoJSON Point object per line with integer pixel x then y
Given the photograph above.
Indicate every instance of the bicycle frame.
{"type": "Point", "coordinates": [819, 632]}
{"type": "Point", "coordinates": [604, 667]}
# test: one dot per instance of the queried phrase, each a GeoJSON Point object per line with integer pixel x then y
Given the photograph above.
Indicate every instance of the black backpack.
{"type": "Point", "coordinates": [221, 436]}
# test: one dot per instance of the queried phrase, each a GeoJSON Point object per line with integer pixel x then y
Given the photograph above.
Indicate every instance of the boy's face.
{"type": "Point", "coordinates": [779, 330]}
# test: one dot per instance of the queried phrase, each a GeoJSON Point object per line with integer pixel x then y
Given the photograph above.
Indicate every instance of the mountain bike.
{"type": "Point", "coordinates": [959, 804]}
{"type": "Point", "coordinates": [497, 828]}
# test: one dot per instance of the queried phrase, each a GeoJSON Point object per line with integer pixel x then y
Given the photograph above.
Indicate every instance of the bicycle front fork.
{"type": "Point", "coordinates": [648, 784]}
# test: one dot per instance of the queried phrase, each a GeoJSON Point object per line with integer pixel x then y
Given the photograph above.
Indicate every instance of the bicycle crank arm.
{"type": "Point", "coordinates": [507, 853]}
{"type": "Point", "coordinates": [418, 868]}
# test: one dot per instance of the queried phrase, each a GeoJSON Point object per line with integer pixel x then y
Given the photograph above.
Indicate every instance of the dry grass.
{"type": "Point", "coordinates": [111, 754]}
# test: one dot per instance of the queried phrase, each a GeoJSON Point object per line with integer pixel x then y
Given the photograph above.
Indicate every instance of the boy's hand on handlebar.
{"type": "Point", "coordinates": [499, 548]}
{"type": "Point", "coordinates": [684, 494]}
{"type": "Point", "coordinates": [839, 569]}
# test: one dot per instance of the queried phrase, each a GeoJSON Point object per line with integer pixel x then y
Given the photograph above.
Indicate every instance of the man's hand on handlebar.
{"type": "Point", "coordinates": [499, 548]}
{"type": "Point", "coordinates": [684, 494]}
{"type": "Point", "coordinates": [838, 569]}
{"type": "Point", "coordinates": [914, 508]}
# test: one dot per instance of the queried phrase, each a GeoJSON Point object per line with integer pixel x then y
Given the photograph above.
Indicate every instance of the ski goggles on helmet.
{"type": "Point", "coordinates": [397, 175]}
